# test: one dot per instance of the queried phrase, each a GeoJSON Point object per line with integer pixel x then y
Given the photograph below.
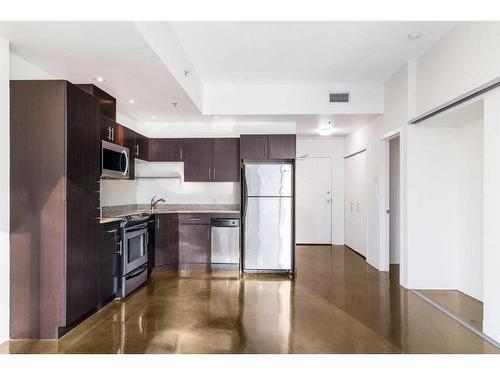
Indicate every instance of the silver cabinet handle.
{"type": "Point", "coordinates": [214, 174]}
{"type": "Point", "coordinates": [180, 153]}
{"type": "Point", "coordinates": [194, 219]}
{"type": "Point", "coordinates": [113, 231]}
{"type": "Point", "coordinates": [137, 150]}
{"type": "Point", "coordinates": [120, 248]}
{"type": "Point", "coordinates": [158, 223]}
{"type": "Point", "coordinates": [109, 133]}
{"type": "Point", "coordinates": [209, 174]}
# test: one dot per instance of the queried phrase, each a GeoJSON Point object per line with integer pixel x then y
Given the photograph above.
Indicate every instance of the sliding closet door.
{"type": "Point", "coordinates": [355, 202]}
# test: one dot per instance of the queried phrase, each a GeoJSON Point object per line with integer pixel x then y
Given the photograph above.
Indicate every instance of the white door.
{"type": "Point", "coordinates": [355, 202]}
{"type": "Point", "coordinates": [313, 183]}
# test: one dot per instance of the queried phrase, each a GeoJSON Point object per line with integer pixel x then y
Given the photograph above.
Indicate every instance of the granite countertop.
{"type": "Point", "coordinates": [113, 213]}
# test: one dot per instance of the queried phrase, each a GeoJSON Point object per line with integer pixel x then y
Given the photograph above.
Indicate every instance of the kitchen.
{"type": "Point", "coordinates": [113, 252]}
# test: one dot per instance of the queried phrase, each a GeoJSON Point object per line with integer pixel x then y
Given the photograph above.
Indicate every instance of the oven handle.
{"type": "Point", "coordinates": [137, 272]}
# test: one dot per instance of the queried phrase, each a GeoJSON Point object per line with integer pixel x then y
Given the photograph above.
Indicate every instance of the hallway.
{"type": "Point", "coordinates": [337, 304]}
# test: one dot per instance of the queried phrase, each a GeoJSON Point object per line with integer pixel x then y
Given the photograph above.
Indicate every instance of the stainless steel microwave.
{"type": "Point", "coordinates": [114, 161]}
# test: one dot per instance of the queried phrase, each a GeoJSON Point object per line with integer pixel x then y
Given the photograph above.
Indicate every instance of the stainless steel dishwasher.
{"type": "Point", "coordinates": [225, 246]}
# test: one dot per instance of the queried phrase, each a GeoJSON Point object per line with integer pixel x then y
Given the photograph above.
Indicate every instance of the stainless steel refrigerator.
{"type": "Point", "coordinates": [267, 217]}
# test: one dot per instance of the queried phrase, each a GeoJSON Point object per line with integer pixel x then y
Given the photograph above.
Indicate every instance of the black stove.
{"type": "Point", "coordinates": [135, 219]}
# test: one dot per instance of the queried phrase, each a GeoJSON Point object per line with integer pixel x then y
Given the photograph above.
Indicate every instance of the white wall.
{"type": "Point", "coordinates": [21, 69]}
{"type": "Point", "coordinates": [470, 208]}
{"type": "Point", "coordinates": [465, 58]}
{"type": "Point", "coordinates": [298, 99]}
{"type": "Point", "coordinates": [215, 128]}
{"type": "Point", "coordinates": [176, 191]}
{"type": "Point", "coordinates": [369, 137]}
{"type": "Point", "coordinates": [332, 148]}
{"type": "Point", "coordinates": [4, 190]}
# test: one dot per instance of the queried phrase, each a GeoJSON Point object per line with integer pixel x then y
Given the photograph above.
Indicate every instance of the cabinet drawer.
{"type": "Point", "coordinates": [195, 218]}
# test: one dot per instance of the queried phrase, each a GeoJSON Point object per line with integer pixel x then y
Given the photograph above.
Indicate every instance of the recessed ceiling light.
{"type": "Point", "coordinates": [153, 117]}
{"type": "Point", "coordinates": [215, 116]}
{"type": "Point", "coordinates": [131, 101]}
{"type": "Point", "coordinates": [99, 79]}
{"type": "Point", "coordinates": [414, 35]}
{"type": "Point", "coordinates": [326, 130]}
{"type": "Point", "coordinates": [175, 104]}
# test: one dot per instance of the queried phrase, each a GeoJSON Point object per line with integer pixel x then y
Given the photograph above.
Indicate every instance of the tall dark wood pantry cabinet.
{"type": "Point", "coordinates": [55, 134]}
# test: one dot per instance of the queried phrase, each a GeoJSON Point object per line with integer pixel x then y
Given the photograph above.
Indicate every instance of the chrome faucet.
{"type": "Point", "coordinates": [154, 201]}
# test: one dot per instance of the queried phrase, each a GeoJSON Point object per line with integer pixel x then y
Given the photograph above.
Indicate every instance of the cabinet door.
{"type": "Point", "coordinates": [198, 160]}
{"type": "Point", "coordinates": [107, 128]}
{"type": "Point", "coordinates": [108, 261]}
{"type": "Point", "coordinates": [194, 244]}
{"type": "Point", "coordinates": [161, 258]}
{"type": "Point", "coordinates": [254, 147]}
{"type": "Point", "coordinates": [281, 146]}
{"type": "Point", "coordinates": [166, 240]}
{"type": "Point", "coordinates": [166, 149]}
{"type": "Point", "coordinates": [81, 264]}
{"type": "Point", "coordinates": [151, 245]}
{"type": "Point", "coordinates": [226, 160]}
{"type": "Point", "coordinates": [141, 148]}
{"type": "Point", "coordinates": [82, 143]}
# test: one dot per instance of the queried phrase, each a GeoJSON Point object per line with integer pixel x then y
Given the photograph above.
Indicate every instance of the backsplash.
{"type": "Point", "coordinates": [173, 190]}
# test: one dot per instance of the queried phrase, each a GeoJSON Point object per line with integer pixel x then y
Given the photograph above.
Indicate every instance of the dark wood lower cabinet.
{"type": "Point", "coordinates": [166, 240]}
{"type": "Point", "coordinates": [194, 243]}
{"type": "Point", "coordinates": [108, 262]}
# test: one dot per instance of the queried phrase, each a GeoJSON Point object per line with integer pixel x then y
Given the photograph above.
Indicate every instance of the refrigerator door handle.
{"type": "Point", "coordinates": [245, 197]}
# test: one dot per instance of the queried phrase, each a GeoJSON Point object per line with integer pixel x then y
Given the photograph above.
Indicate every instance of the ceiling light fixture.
{"type": "Point", "coordinates": [99, 79]}
{"type": "Point", "coordinates": [131, 101]}
{"type": "Point", "coordinates": [175, 104]}
{"type": "Point", "coordinates": [414, 35]}
{"type": "Point", "coordinates": [215, 116]}
{"type": "Point", "coordinates": [326, 130]}
{"type": "Point", "coordinates": [153, 117]}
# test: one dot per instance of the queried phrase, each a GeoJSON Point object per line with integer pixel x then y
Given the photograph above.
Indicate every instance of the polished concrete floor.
{"type": "Point", "coordinates": [459, 304]}
{"type": "Point", "coordinates": [337, 304]}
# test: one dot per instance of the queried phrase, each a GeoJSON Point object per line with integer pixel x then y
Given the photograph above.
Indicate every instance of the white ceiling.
{"type": "Point", "coordinates": [81, 51]}
{"type": "Point", "coordinates": [303, 52]}
{"type": "Point", "coordinates": [266, 52]}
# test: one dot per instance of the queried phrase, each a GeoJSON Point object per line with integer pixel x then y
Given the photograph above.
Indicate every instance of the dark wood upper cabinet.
{"type": "Point", "coordinates": [141, 147]}
{"type": "Point", "coordinates": [166, 149]}
{"type": "Point", "coordinates": [225, 160]}
{"type": "Point", "coordinates": [253, 147]}
{"type": "Point", "coordinates": [107, 103]}
{"type": "Point", "coordinates": [281, 146]}
{"type": "Point", "coordinates": [198, 159]}
{"type": "Point", "coordinates": [268, 147]}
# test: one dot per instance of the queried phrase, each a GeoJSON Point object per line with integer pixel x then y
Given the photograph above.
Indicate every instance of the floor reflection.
{"type": "Point", "coordinates": [336, 304]}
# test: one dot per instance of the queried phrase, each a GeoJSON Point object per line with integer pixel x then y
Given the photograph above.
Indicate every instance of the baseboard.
{"type": "Point", "coordinates": [357, 253]}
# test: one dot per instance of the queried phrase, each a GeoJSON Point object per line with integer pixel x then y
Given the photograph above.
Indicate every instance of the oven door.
{"type": "Point", "coordinates": [115, 161]}
{"type": "Point", "coordinates": [135, 247]}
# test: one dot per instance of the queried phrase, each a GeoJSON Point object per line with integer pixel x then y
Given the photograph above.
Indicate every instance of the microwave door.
{"type": "Point", "coordinates": [115, 161]}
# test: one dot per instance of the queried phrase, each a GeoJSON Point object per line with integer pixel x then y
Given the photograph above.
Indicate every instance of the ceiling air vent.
{"type": "Point", "coordinates": [339, 97]}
